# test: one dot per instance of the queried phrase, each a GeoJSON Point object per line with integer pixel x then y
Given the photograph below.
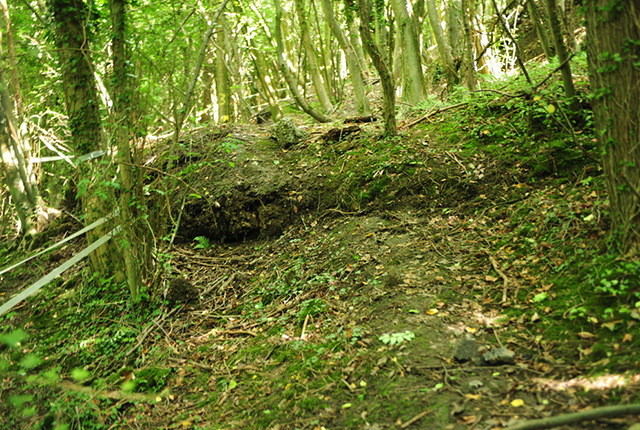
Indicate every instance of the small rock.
{"type": "Point", "coordinates": [466, 350]}
{"type": "Point", "coordinates": [285, 132]}
{"type": "Point", "coordinates": [498, 356]}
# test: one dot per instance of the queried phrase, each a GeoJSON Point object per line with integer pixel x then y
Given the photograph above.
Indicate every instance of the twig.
{"type": "Point", "coordinates": [489, 90]}
{"type": "Point", "coordinates": [553, 72]}
{"type": "Point", "coordinates": [593, 414]}
{"type": "Point", "coordinates": [437, 111]}
{"type": "Point", "coordinates": [505, 280]}
{"type": "Point", "coordinates": [304, 326]}
{"type": "Point", "coordinates": [344, 381]}
{"type": "Point", "coordinates": [414, 419]}
{"type": "Point", "coordinates": [457, 161]}
{"type": "Point", "coordinates": [148, 330]}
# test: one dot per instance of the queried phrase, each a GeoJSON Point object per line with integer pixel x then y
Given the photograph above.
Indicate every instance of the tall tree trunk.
{"type": "Point", "coordinates": [312, 60]}
{"type": "Point", "coordinates": [411, 64]}
{"type": "Point", "coordinates": [386, 79]}
{"type": "Point", "coordinates": [563, 56]}
{"type": "Point", "coordinates": [223, 88]}
{"type": "Point", "coordinates": [10, 160]}
{"type": "Point", "coordinates": [613, 32]}
{"type": "Point", "coordinates": [541, 31]}
{"type": "Point", "coordinates": [136, 249]}
{"type": "Point", "coordinates": [81, 99]}
{"type": "Point", "coordinates": [469, 53]}
{"type": "Point", "coordinates": [286, 71]}
{"type": "Point", "coordinates": [362, 102]}
{"type": "Point", "coordinates": [444, 49]}
{"type": "Point", "coordinates": [266, 83]}
{"type": "Point", "coordinates": [11, 56]}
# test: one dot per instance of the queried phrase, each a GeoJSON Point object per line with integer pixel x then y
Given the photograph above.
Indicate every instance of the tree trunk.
{"type": "Point", "coordinates": [81, 100]}
{"type": "Point", "coordinates": [11, 56]}
{"type": "Point", "coordinates": [541, 31]}
{"type": "Point", "coordinates": [286, 71]}
{"type": "Point", "coordinates": [613, 52]}
{"type": "Point", "coordinates": [314, 70]}
{"type": "Point", "coordinates": [223, 88]}
{"type": "Point", "coordinates": [269, 91]}
{"type": "Point", "coordinates": [388, 89]}
{"type": "Point", "coordinates": [444, 49]}
{"type": "Point", "coordinates": [411, 64]}
{"type": "Point", "coordinates": [362, 102]}
{"type": "Point", "coordinates": [137, 246]}
{"type": "Point", "coordinates": [10, 162]}
{"type": "Point", "coordinates": [469, 53]}
{"type": "Point", "coordinates": [563, 56]}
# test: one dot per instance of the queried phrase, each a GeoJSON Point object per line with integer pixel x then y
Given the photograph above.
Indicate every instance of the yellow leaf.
{"type": "Point", "coordinates": [537, 98]}
{"type": "Point", "coordinates": [551, 108]}
{"type": "Point", "coordinates": [490, 278]}
{"type": "Point", "coordinates": [627, 337]}
{"type": "Point", "coordinates": [586, 335]}
{"type": "Point", "coordinates": [516, 403]}
{"type": "Point", "coordinates": [473, 396]}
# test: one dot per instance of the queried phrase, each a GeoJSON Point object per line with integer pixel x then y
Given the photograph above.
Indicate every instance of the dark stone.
{"type": "Point", "coordinates": [466, 350]}
{"type": "Point", "coordinates": [498, 356]}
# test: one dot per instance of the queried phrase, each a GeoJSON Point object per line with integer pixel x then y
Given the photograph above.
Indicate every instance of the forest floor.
{"type": "Point", "coordinates": [440, 280]}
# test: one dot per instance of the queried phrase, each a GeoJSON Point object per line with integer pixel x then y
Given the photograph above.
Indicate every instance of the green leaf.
{"type": "Point", "coordinates": [30, 361]}
{"type": "Point", "coordinates": [80, 374]}
{"type": "Point", "coordinates": [539, 297]}
{"type": "Point", "coordinates": [14, 338]}
{"type": "Point", "coordinates": [20, 399]}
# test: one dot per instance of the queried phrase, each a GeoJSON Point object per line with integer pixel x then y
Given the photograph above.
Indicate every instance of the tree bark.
{"type": "Point", "coordinates": [613, 32]}
{"type": "Point", "coordinates": [223, 88]}
{"type": "Point", "coordinates": [386, 79]}
{"type": "Point", "coordinates": [561, 51]}
{"type": "Point", "coordinates": [136, 248]}
{"type": "Point", "coordinates": [81, 100]}
{"type": "Point", "coordinates": [314, 69]}
{"type": "Point", "coordinates": [541, 31]}
{"type": "Point", "coordinates": [469, 53]}
{"type": "Point", "coordinates": [288, 76]}
{"type": "Point", "coordinates": [356, 73]}
{"type": "Point", "coordinates": [411, 64]}
{"type": "Point", "coordinates": [444, 49]}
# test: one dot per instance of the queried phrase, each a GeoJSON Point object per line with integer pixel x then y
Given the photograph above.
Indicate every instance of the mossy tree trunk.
{"type": "Point", "coordinates": [81, 99]}
{"type": "Point", "coordinates": [613, 46]}
{"type": "Point", "coordinates": [136, 242]}
{"type": "Point", "coordinates": [386, 79]}
{"type": "Point", "coordinates": [563, 56]}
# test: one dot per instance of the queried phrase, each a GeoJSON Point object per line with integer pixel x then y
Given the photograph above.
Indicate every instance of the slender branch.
{"type": "Point", "coordinates": [593, 414]}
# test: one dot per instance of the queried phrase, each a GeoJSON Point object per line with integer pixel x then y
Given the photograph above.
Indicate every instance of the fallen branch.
{"type": "Point", "coordinates": [505, 280]}
{"type": "Point", "coordinates": [593, 414]}
{"type": "Point", "coordinates": [435, 112]}
{"type": "Point", "coordinates": [414, 419]}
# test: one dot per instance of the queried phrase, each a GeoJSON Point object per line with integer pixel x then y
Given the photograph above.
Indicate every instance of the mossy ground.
{"type": "Point", "coordinates": [479, 222]}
